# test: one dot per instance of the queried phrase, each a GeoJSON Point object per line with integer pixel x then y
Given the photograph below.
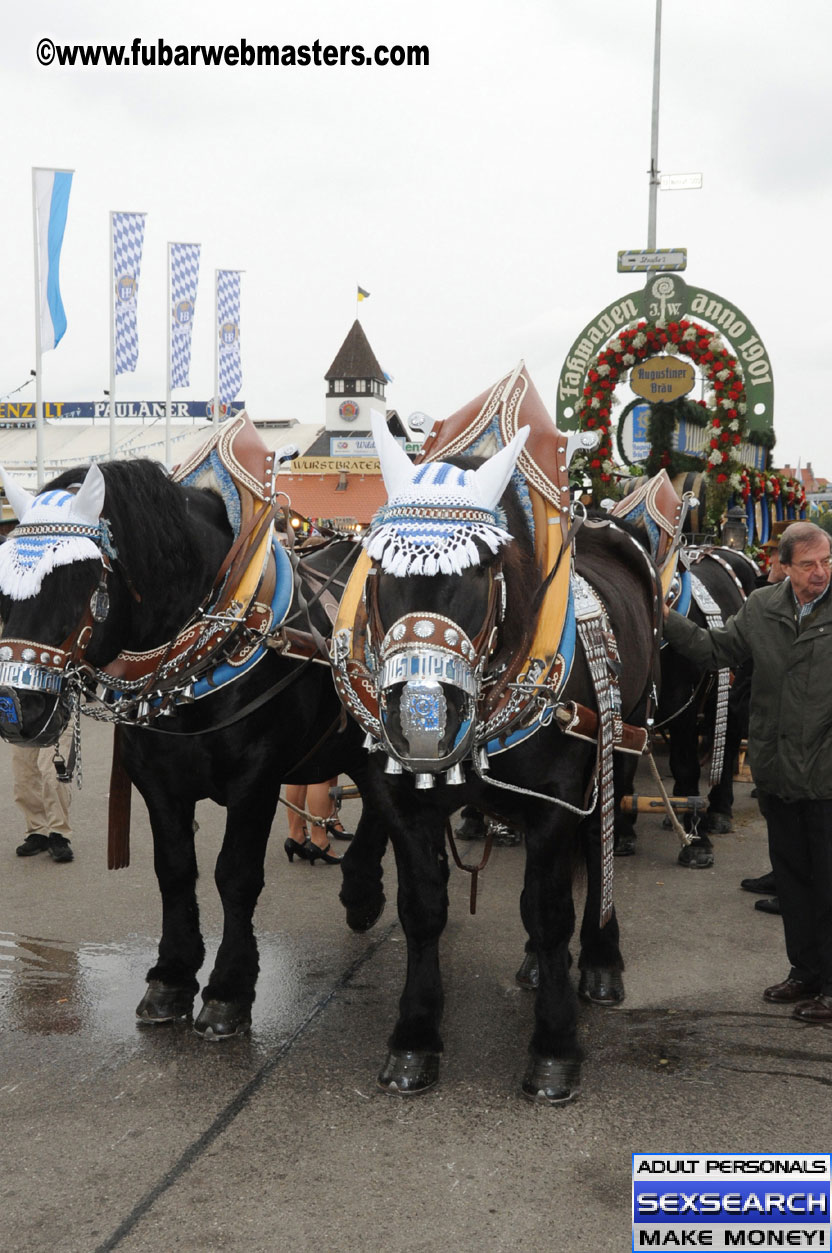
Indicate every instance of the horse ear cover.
{"type": "Point", "coordinates": [397, 469]}
{"type": "Point", "coordinates": [492, 478]}
{"type": "Point", "coordinates": [89, 500]}
{"type": "Point", "coordinates": [489, 481]}
{"type": "Point", "coordinates": [26, 560]}
{"type": "Point", "coordinates": [435, 512]}
{"type": "Point", "coordinates": [17, 496]}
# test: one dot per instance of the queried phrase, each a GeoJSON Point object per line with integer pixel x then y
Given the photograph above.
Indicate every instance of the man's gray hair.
{"type": "Point", "coordinates": [800, 533]}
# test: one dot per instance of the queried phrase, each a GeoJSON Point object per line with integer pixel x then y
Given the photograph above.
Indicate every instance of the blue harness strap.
{"type": "Point", "coordinates": [682, 605]}
{"type": "Point", "coordinates": [566, 650]}
{"type": "Point", "coordinates": [226, 672]}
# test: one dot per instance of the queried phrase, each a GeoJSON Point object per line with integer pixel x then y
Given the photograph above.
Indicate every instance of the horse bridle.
{"type": "Point", "coordinates": [28, 665]}
{"type": "Point", "coordinates": [32, 666]}
{"type": "Point", "coordinates": [423, 653]}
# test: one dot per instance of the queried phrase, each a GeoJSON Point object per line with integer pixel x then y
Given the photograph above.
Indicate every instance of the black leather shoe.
{"type": "Point", "coordinates": [60, 848]}
{"type": "Point", "coordinates": [316, 853]}
{"type": "Point", "coordinates": [789, 991]}
{"type": "Point", "coordinates": [293, 848]}
{"type": "Point", "coordinates": [35, 842]}
{"type": "Point", "coordinates": [817, 1010]}
{"type": "Point", "coordinates": [769, 906]}
{"type": "Point", "coordinates": [764, 885]}
{"type": "Point", "coordinates": [335, 828]}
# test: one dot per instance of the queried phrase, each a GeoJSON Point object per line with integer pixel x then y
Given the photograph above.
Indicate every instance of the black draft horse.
{"type": "Point", "coordinates": [169, 542]}
{"type": "Point", "coordinates": [687, 700]}
{"type": "Point", "coordinates": [548, 766]}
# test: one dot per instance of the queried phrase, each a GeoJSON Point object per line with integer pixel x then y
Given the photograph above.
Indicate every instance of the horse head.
{"type": "Point", "coordinates": [436, 597]}
{"type": "Point", "coordinates": [51, 597]}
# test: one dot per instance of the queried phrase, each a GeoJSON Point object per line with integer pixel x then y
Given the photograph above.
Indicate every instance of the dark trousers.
{"type": "Point", "coordinates": [800, 844]}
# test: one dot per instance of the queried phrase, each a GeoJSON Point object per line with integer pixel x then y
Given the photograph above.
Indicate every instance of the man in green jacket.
{"type": "Point", "coordinates": [787, 630]}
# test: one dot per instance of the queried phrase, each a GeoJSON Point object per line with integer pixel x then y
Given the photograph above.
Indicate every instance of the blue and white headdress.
{"type": "Point", "coordinates": [435, 512]}
{"type": "Point", "coordinates": [54, 529]}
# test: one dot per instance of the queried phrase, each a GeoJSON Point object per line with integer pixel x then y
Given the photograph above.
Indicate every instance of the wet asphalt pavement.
{"type": "Point", "coordinates": [115, 1136]}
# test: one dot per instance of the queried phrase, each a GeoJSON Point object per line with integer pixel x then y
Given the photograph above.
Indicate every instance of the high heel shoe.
{"type": "Point", "coordinates": [316, 853]}
{"type": "Point", "coordinates": [335, 828]}
{"type": "Point", "coordinates": [292, 848]}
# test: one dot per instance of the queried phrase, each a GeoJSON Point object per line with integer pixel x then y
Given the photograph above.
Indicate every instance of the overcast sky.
{"type": "Point", "coordinates": [480, 200]}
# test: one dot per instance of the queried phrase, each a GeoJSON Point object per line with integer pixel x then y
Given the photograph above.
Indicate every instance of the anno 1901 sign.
{"type": "Point", "coordinates": [667, 298]}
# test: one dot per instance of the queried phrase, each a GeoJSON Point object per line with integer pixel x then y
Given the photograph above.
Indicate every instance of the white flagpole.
{"type": "Point", "coordinates": [216, 347]}
{"type": "Point", "coordinates": [169, 341]}
{"type": "Point", "coordinates": [38, 349]}
{"type": "Point", "coordinates": [112, 270]}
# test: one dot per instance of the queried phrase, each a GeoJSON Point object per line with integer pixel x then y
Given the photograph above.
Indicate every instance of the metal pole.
{"type": "Point", "coordinates": [168, 347]}
{"type": "Point", "coordinates": [654, 134]}
{"type": "Point", "coordinates": [216, 348]}
{"type": "Point", "coordinates": [38, 351]}
{"type": "Point", "coordinates": [112, 272]}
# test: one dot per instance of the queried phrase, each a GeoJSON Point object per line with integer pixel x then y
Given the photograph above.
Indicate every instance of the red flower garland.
{"type": "Point", "coordinates": [705, 349]}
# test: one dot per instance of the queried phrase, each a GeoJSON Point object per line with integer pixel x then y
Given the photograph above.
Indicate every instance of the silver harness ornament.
{"type": "Point", "coordinates": [713, 619]}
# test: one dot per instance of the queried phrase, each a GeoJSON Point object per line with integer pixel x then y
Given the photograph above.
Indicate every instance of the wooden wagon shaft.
{"type": "Point", "coordinates": [638, 804]}
{"type": "Point", "coordinates": [348, 793]}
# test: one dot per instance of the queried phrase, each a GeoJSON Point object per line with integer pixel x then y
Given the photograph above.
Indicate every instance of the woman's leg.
{"type": "Point", "coordinates": [320, 805]}
{"type": "Point", "coordinates": [295, 794]}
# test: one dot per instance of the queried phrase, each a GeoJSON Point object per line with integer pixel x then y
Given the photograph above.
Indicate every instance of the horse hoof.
{"type": "Point", "coordinates": [363, 917]}
{"type": "Point", "coordinates": [408, 1073]}
{"type": "Point", "coordinates": [163, 1004]}
{"type": "Point", "coordinates": [696, 857]}
{"type": "Point", "coordinates": [601, 985]}
{"type": "Point", "coordinates": [552, 1080]}
{"type": "Point", "coordinates": [528, 976]}
{"type": "Point", "coordinates": [220, 1020]}
{"type": "Point", "coordinates": [718, 824]}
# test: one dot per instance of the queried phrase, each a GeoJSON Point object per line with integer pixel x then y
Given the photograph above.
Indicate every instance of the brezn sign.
{"type": "Point", "coordinates": [662, 378]}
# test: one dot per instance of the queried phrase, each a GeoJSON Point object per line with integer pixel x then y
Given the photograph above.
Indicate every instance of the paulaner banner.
{"type": "Point", "coordinates": [184, 280]}
{"type": "Point", "coordinates": [228, 332]}
{"type": "Point", "coordinates": [21, 413]}
{"type": "Point", "coordinates": [128, 240]}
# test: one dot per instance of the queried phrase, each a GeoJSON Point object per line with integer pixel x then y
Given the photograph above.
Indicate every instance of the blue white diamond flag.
{"type": "Point", "coordinates": [228, 330]}
{"type": "Point", "coordinates": [128, 238]}
{"type": "Point", "coordinates": [184, 280]}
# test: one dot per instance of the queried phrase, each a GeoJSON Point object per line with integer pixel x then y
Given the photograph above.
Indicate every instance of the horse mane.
{"type": "Point", "coordinates": [601, 537]}
{"type": "Point", "coordinates": [742, 566]}
{"type": "Point", "coordinates": [153, 527]}
{"type": "Point", "coordinates": [523, 578]}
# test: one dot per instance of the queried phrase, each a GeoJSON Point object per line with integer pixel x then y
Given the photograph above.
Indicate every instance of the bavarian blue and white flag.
{"type": "Point", "coordinates": [128, 238]}
{"type": "Point", "coordinates": [228, 331]}
{"type": "Point", "coordinates": [50, 189]}
{"type": "Point", "coordinates": [184, 280]}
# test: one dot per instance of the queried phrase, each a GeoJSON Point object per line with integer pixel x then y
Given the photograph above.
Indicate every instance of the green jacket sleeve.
{"type": "Point", "coordinates": [728, 645]}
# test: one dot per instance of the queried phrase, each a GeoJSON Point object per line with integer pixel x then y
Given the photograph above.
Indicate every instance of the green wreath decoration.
{"type": "Point", "coordinates": [724, 410]}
